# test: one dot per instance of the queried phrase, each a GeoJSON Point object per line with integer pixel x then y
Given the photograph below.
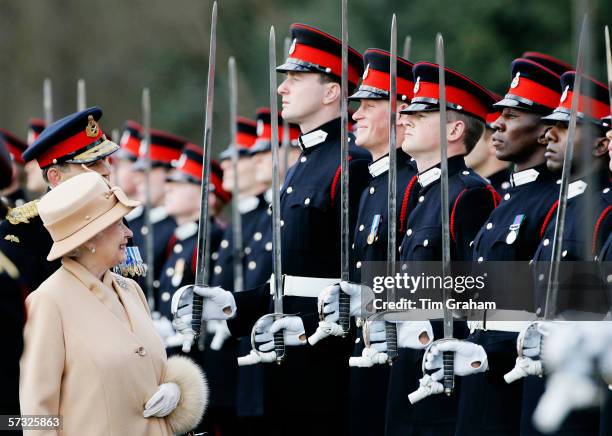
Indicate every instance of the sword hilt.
{"type": "Point", "coordinates": [279, 346]}
{"type": "Point", "coordinates": [391, 337]}
{"type": "Point", "coordinates": [196, 317]}
{"type": "Point", "coordinates": [344, 309]}
{"type": "Point", "coordinates": [448, 360]}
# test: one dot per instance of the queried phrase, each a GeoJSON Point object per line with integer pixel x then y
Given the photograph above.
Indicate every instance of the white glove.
{"type": "Point", "coordinates": [219, 304]}
{"type": "Point", "coordinates": [163, 327]}
{"type": "Point", "coordinates": [375, 354]}
{"type": "Point", "coordinates": [427, 386]}
{"type": "Point", "coordinates": [329, 299]}
{"type": "Point", "coordinates": [469, 358]}
{"type": "Point", "coordinates": [523, 367]}
{"type": "Point", "coordinates": [265, 327]}
{"type": "Point", "coordinates": [221, 333]}
{"type": "Point", "coordinates": [414, 334]}
{"type": "Point", "coordinates": [163, 402]}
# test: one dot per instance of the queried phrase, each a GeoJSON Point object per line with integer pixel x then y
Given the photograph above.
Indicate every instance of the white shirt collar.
{"type": "Point", "coordinates": [429, 176]}
{"type": "Point", "coordinates": [158, 214]}
{"type": "Point", "coordinates": [135, 213]}
{"type": "Point", "coordinates": [268, 195]}
{"type": "Point", "coordinates": [379, 166]}
{"type": "Point", "coordinates": [186, 230]}
{"type": "Point", "coordinates": [576, 188]}
{"type": "Point", "coordinates": [247, 204]}
{"type": "Point", "coordinates": [523, 177]}
{"type": "Point", "coordinates": [313, 138]}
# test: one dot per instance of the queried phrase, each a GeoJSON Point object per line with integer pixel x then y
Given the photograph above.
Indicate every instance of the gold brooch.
{"type": "Point", "coordinates": [12, 238]}
{"type": "Point", "coordinates": [92, 128]}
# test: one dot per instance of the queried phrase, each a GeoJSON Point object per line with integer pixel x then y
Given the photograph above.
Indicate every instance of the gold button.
{"type": "Point", "coordinates": [141, 351]}
{"type": "Point", "coordinates": [87, 217]}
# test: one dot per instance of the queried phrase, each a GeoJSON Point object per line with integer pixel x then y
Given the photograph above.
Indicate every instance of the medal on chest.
{"type": "Point", "coordinates": [514, 229]}
{"type": "Point", "coordinates": [179, 268]}
{"type": "Point", "coordinates": [373, 235]}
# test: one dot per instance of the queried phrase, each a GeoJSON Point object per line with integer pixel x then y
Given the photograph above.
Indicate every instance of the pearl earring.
{"type": "Point", "coordinates": [93, 249]}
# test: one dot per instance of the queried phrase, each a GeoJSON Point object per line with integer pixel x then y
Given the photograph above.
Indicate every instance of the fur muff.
{"type": "Point", "coordinates": [194, 393]}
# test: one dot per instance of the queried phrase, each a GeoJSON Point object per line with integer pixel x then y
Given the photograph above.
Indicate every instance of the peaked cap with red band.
{"type": "Point", "coordinates": [314, 51]}
{"type": "Point", "coordinates": [264, 131]}
{"type": "Point", "coordinates": [494, 112]}
{"type": "Point", "coordinates": [188, 169]}
{"type": "Point", "coordinates": [462, 93]}
{"type": "Point", "coordinates": [376, 79]}
{"type": "Point", "coordinates": [552, 63]}
{"type": "Point", "coordinates": [245, 138]}
{"type": "Point", "coordinates": [165, 148]}
{"type": "Point", "coordinates": [130, 141]}
{"type": "Point", "coordinates": [35, 128]}
{"type": "Point", "coordinates": [593, 104]}
{"type": "Point", "coordinates": [77, 138]}
{"type": "Point", "coordinates": [14, 145]}
{"type": "Point", "coordinates": [534, 88]}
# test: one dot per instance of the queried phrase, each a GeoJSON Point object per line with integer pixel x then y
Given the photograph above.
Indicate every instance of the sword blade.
{"type": "Point", "coordinates": [146, 125]}
{"type": "Point", "coordinates": [448, 357]}
{"type": "Point", "coordinates": [48, 101]}
{"type": "Point", "coordinates": [609, 64]}
{"type": "Point", "coordinates": [203, 256]}
{"type": "Point", "coordinates": [552, 289]}
{"type": "Point", "coordinates": [279, 343]}
{"type": "Point", "coordinates": [236, 217]}
{"type": "Point", "coordinates": [407, 47]}
{"type": "Point", "coordinates": [81, 95]}
{"type": "Point", "coordinates": [344, 299]}
{"type": "Point", "coordinates": [286, 137]}
{"type": "Point", "coordinates": [391, 327]}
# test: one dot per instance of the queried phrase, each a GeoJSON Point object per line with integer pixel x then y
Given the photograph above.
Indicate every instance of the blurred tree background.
{"type": "Point", "coordinates": [120, 46]}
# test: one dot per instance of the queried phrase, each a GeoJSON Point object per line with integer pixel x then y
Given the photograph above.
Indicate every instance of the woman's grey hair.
{"type": "Point", "coordinates": [76, 253]}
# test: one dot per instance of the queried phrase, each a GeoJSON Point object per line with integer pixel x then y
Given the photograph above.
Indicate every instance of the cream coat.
{"type": "Point", "coordinates": [93, 356]}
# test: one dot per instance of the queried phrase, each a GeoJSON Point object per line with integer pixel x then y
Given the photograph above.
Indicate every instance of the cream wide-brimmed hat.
{"type": "Point", "coordinates": [79, 208]}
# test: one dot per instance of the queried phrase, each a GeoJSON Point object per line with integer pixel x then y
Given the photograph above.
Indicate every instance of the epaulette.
{"type": "Point", "coordinates": [23, 213]}
{"type": "Point", "coordinates": [7, 266]}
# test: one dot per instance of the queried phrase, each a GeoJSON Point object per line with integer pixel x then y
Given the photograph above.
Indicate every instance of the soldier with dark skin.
{"type": "Point", "coordinates": [587, 225]}
{"type": "Point", "coordinates": [511, 234]}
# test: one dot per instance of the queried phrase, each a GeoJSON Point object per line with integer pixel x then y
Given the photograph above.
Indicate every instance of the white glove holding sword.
{"type": "Point", "coordinates": [218, 304]}
{"type": "Point", "coordinates": [328, 303]}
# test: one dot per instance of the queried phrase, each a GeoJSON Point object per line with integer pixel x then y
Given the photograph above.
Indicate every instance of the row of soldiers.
{"type": "Point", "coordinates": [505, 156]}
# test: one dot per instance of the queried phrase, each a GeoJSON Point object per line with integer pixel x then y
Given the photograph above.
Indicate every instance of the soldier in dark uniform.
{"type": "Point", "coordinates": [511, 234]}
{"type": "Point", "coordinates": [123, 172]}
{"type": "Point", "coordinates": [14, 195]}
{"type": "Point", "coordinates": [247, 202]}
{"type": "Point", "coordinates": [605, 258]}
{"type": "Point", "coordinates": [589, 184]}
{"type": "Point", "coordinates": [313, 381]}
{"type": "Point", "coordinates": [253, 407]}
{"type": "Point", "coordinates": [182, 201]}
{"type": "Point", "coordinates": [165, 149]}
{"type": "Point", "coordinates": [67, 147]}
{"type": "Point", "coordinates": [482, 158]}
{"type": "Point", "coordinates": [370, 236]}
{"type": "Point", "coordinates": [471, 200]}
{"type": "Point", "coordinates": [12, 313]}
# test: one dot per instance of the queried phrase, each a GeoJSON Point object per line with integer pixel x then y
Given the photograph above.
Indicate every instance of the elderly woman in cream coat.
{"type": "Point", "coordinates": [91, 352]}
